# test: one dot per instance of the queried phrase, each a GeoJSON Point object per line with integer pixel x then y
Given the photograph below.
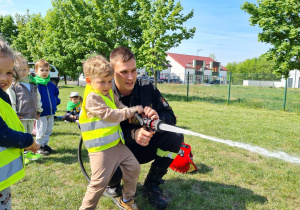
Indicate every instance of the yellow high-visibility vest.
{"type": "Point", "coordinates": [11, 158]}
{"type": "Point", "coordinates": [97, 134]}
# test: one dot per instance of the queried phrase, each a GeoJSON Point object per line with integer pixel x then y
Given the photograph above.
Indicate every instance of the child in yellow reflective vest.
{"type": "Point", "coordinates": [102, 135]}
{"type": "Point", "coordinates": [12, 137]}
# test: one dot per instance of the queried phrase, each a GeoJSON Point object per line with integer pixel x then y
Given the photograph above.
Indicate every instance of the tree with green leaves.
{"type": "Point", "coordinates": [253, 69]}
{"type": "Point", "coordinates": [77, 28]}
{"type": "Point", "coordinates": [213, 56]}
{"type": "Point", "coordinates": [74, 29]}
{"type": "Point", "coordinates": [31, 35]}
{"type": "Point", "coordinates": [8, 28]}
{"type": "Point", "coordinates": [64, 43]}
{"type": "Point", "coordinates": [161, 22]}
{"type": "Point", "coordinates": [255, 65]}
{"type": "Point", "coordinates": [280, 22]}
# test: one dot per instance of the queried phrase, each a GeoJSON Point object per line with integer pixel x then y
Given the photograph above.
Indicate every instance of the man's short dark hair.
{"type": "Point", "coordinates": [122, 54]}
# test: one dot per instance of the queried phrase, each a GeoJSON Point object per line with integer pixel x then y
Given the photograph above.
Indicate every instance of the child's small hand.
{"type": "Point", "coordinates": [139, 109]}
{"type": "Point", "coordinates": [34, 147]}
{"type": "Point", "coordinates": [21, 117]}
{"type": "Point", "coordinates": [149, 112]}
{"type": "Point", "coordinates": [37, 147]}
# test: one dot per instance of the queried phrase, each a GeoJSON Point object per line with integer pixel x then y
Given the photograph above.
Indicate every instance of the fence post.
{"type": "Point", "coordinates": [187, 88]}
{"type": "Point", "coordinates": [284, 100]}
{"type": "Point", "coordinates": [229, 88]}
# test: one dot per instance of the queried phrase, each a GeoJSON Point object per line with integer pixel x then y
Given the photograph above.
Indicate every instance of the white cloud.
{"type": "Point", "coordinates": [7, 7]}
{"type": "Point", "coordinates": [5, 3]}
{"type": "Point", "coordinates": [11, 12]}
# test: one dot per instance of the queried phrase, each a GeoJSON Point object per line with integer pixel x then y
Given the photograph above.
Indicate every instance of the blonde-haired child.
{"type": "Point", "coordinates": [12, 137]}
{"type": "Point", "coordinates": [102, 135]}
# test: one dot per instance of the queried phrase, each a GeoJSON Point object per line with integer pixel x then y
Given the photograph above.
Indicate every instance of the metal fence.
{"type": "Point", "coordinates": [237, 78]}
{"type": "Point", "coordinates": [262, 91]}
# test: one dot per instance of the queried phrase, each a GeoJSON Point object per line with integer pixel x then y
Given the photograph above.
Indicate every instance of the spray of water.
{"type": "Point", "coordinates": [256, 149]}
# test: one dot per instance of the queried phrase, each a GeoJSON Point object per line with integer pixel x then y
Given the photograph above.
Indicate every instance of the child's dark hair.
{"type": "Point", "coordinates": [6, 51]}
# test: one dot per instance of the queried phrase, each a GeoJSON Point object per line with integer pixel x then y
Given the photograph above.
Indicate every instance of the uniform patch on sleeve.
{"type": "Point", "coordinates": [164, 102]}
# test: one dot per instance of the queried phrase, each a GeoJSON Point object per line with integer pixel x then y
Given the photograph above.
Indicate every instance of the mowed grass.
{"type": "Point", "coordinates": [227, 177]}
{"type": "Point", "coordinates": [244, 96]}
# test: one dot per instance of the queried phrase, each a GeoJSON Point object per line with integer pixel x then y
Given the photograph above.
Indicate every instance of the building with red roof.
{"type": "Point", "coordinates": [207, 69]}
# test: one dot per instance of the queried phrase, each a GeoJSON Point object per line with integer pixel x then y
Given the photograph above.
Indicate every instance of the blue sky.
{"type": "Point", "coordinates": [222, 28]}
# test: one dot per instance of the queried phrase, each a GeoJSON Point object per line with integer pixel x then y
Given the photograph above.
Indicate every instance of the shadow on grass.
{"type": "Point", "coordinates": [66, 133]}
{"type": "Point", "coordinates": [184, 127]}
{"type": "Point", "coordinates": [65, 86]}
{"type": "Point", "coordinates": [63, 155]}
{"type": "Point", "coordinates": [202, 169]}
{"type": "Point", "coordinates": [194, 194]}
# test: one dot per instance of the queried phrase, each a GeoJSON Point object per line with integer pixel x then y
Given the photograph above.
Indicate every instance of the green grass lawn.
{"type": "Point", "coordinates": [228, 177]}
{"type": "Point", "coordinates": [244, 96]}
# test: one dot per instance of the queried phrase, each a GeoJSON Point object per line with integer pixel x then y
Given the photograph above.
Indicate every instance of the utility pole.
{"type": "Point", "coordinates": [202, 66]}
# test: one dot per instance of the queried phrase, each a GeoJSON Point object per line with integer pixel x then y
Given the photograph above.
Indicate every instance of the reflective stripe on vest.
{"type": "Point", "coordinates": [96, 125]}
{"type": "Point", "coordinates": [11, 168]}
{"type": "Point", "coordinates": [101, 141]}
{"type": "Point", "coordinates": [11, 159]}
{"type": "Point", "coordinates": [162, 153]}
{"type": "Point", "coordinates": [98, 134]}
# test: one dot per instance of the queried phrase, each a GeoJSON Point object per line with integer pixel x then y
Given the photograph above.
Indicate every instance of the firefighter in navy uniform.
{"type": "Point", "coordinates": [162, 147]}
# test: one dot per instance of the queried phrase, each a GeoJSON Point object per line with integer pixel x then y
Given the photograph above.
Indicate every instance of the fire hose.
{"type": "Point", "coordinates": [81, 162]}
{"type": "Point", "coordinates": [182, 163]}
{"type": "Point", "coordinates": [147, 123]}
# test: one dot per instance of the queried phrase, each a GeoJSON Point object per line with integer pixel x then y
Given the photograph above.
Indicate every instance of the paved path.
{"type": "Point", "coordinates": [72, 83]}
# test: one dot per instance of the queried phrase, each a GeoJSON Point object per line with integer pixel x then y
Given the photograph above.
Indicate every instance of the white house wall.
{"type": "Point", "coordinates": [190, 72]}
{"type": "Point", "coordinates": [176, 69]}
{"type": "Point", "coordinates": [166, 71]}
{"type": "Point", "coordinates": [180, 71]}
